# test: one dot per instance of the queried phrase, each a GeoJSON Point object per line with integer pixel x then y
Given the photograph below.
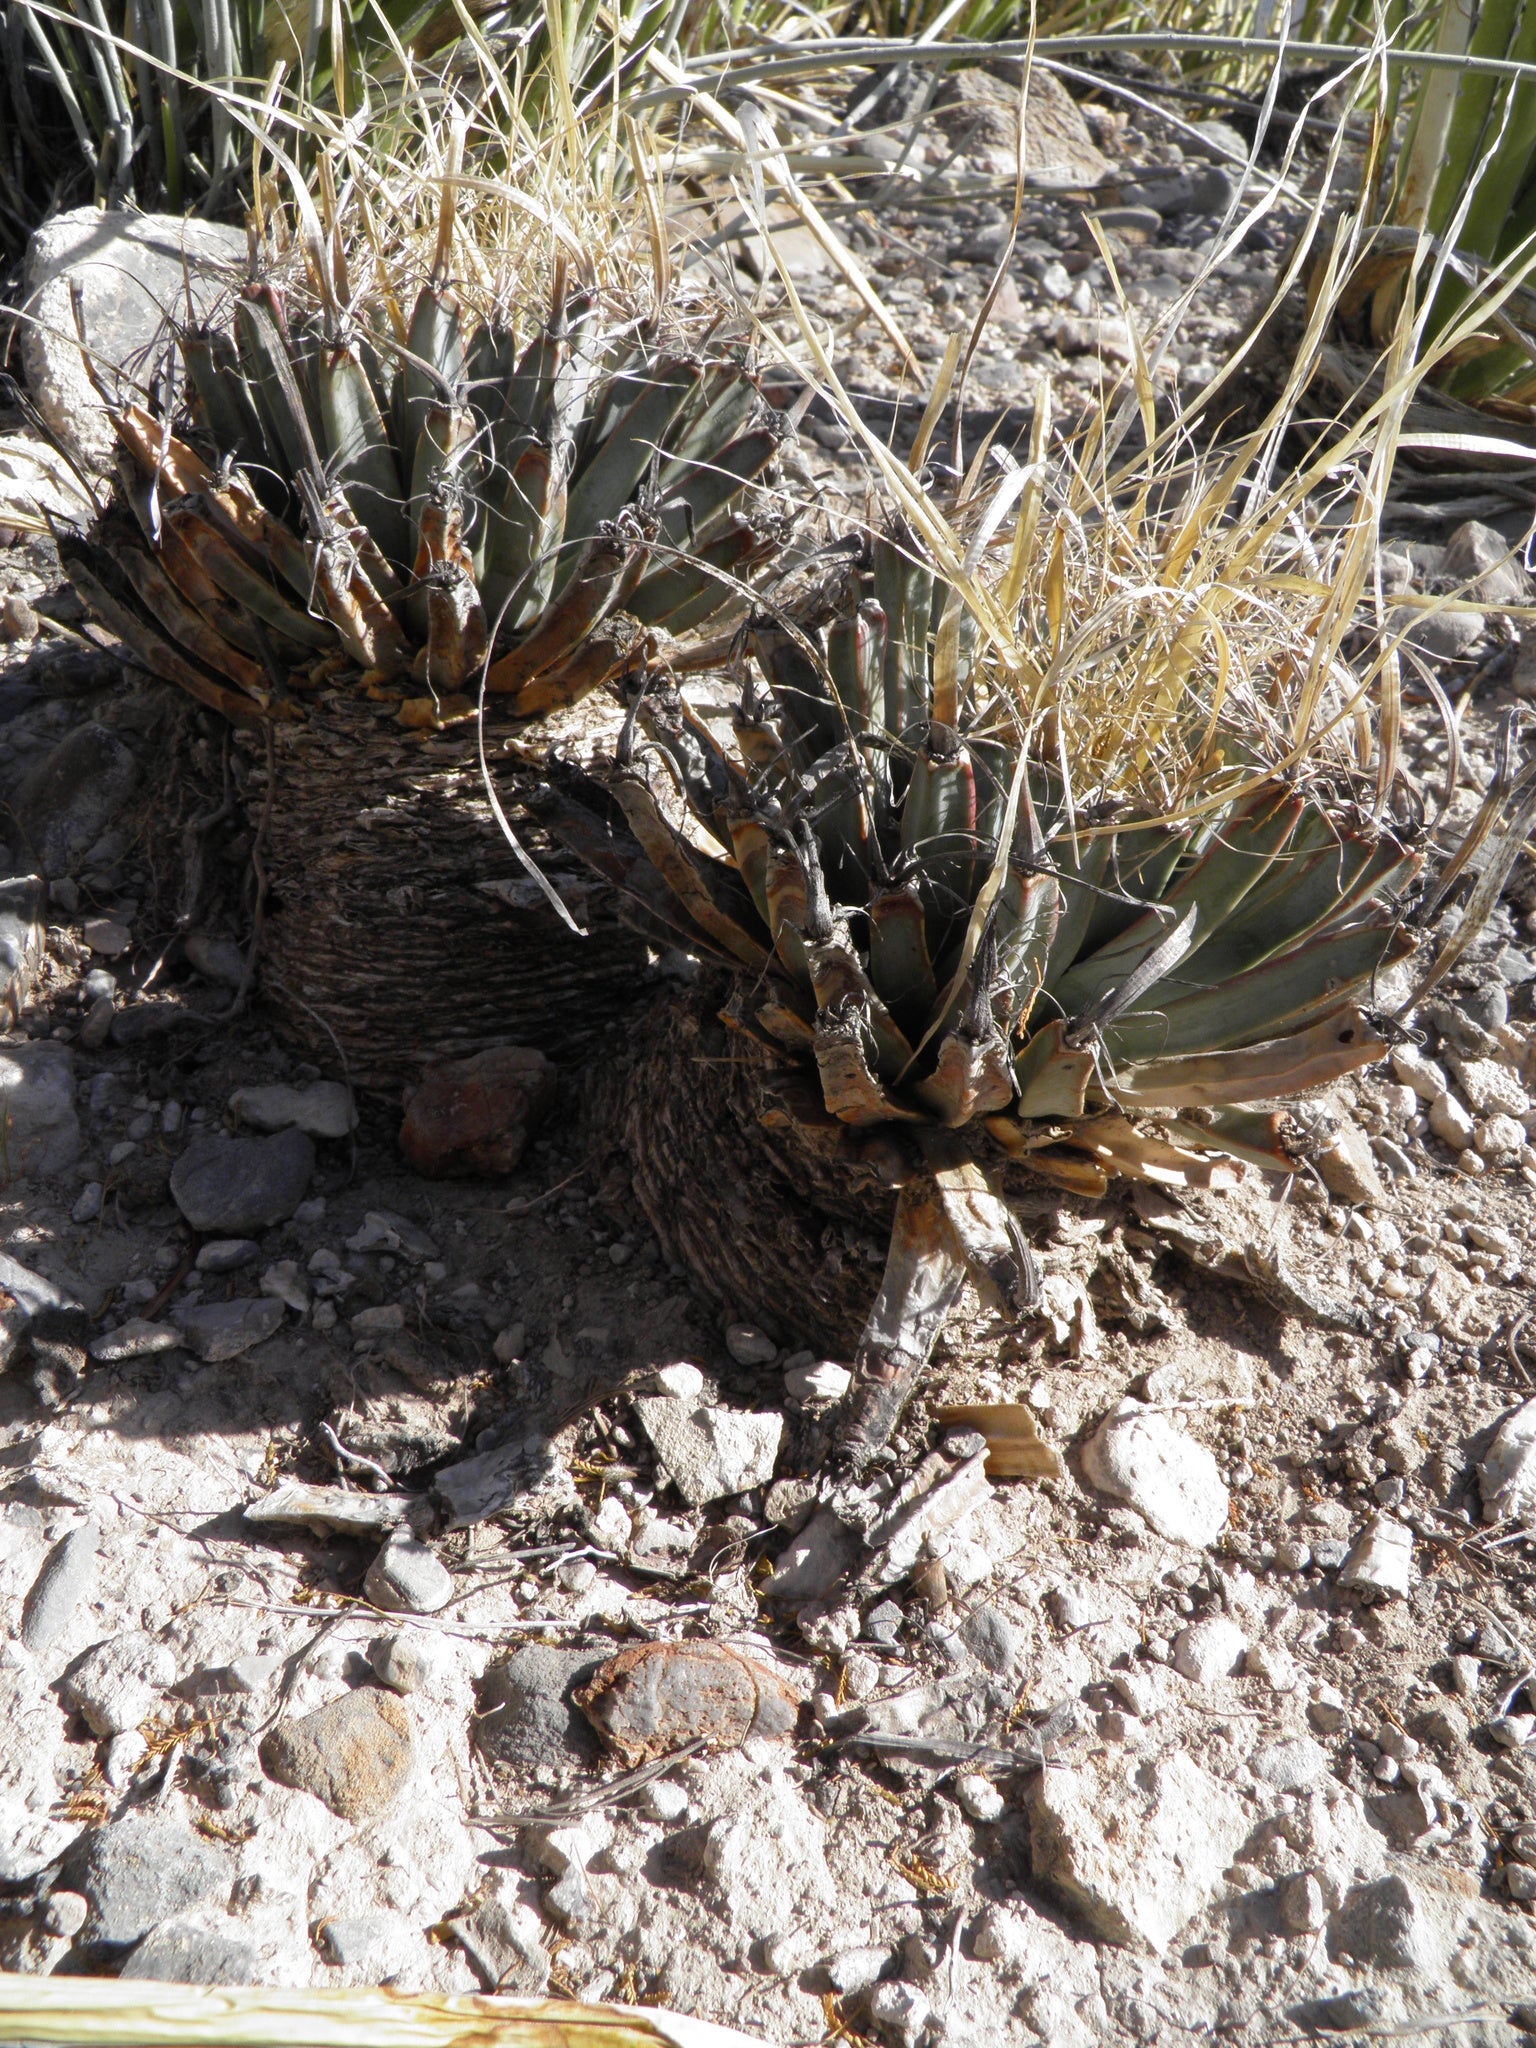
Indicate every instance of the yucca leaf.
{"type": "Point", "coordinates": [1051, 1076]}
{"type": "Point", "coordinates": [1244, 847]}
{"type": "Point", "coordinates": [358, 454]}
{"type": "Point", "coordinates": [1282, 996]}
{"type": "Point", "coordinates": [600, 490]}
{"type": "Point", "coordinates": [1309, 1058]}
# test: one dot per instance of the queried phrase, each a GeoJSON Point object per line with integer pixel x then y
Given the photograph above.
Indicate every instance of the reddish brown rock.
{"type": "Point", "coordinates": [648, 1701]}
{"type": "Point", "coordinates": [475, 1116]}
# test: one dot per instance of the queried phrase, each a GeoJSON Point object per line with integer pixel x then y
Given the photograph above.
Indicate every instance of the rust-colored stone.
{"type": "Point", "coordinates": [648, 1701]}
{"type": "Point", "coordinates": [475, 1116]}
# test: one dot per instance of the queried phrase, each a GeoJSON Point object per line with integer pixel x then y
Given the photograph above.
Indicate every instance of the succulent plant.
{"type": "Point", "coordinates": [977, 975]}
{"type": "Point", "coordinates": [411, 517]}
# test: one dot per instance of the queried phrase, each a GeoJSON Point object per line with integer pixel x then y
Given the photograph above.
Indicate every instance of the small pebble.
{"type": "Point", "coordinates": [683, 1381]}
{"type": "Point", "coordinates": [1512, 1731]}
{"type": "Point", "coordinates": [382, 1321]}
{"type": "Point", "coordinates": [87, 1203]}
{"type": "Point", "coordinates": [408, 1577]}
{"type": "Point", "coordinates": [133, 1339]}
{"type": "Point", "coordinates": [861, 1675]}
{"type": "Point", "coordinates": [65, 1914]}
{"type": "Point", "coordinates": [750, 1346]}
{"type": "Point", "coordinates": [18, 621]}
{"type": "Point", "coordinates": [816, 1384]}
{"type": "Point", "coordinates": [98, 1023]}
{"type": "Point", "coordinates": [663, 1801]}
{"type": "Point", "coordinates": [979, 1797]}
{"type": "Point", "coordinates": [108, 938]}
{"type": "Point", "coordinates": [1303, 1909]}
{"type": "Point", "coordinates": [1327, 1711]}
{"type": "Point", "coordinates": [576, 1574]}
{"type": "Point", "coordinates": [228, 1254]}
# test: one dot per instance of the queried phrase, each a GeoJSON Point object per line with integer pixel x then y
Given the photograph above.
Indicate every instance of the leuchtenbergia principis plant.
{"type": "Point", "coordinates": [420, 511]}
{"type": "Point", "coordinates": [1089, 902]}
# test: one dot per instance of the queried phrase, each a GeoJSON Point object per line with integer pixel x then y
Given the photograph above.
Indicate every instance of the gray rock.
{"type": "Point", "coordinates": [709, 1452]}
{"type": "Point", "coordinates": [68, 1576]}
{"type": "Point", "coordinates": [65, 1914]}
{"type": "Point", "coordinates": [216, 959]}
{"type": "Point", "coordinates": [856, 1969]}
{"type": "Point", "coordinates": [353, 1939]}
{"type": "Point", "coordinates": [355, 1754]}
{"type": "Point", "coordinates": [1348, 1167]}
{"type": "Point", "coordinates": [814, 1560]}
{"type": "Point", "coordinates": [134, 271]}
{"type": "Point", "coordinates": [750, 1346]}
{"type": "Point", "coordinates": [1209, 1649]}
{"type": "Point", "coordinates": [116, 1684]}
{"type": "Point", "coordinates": [1208, 189]}
{"type": "Point", "coordinates": [181, 1953]}
{"type": "Point", "coordinates": [992, 1639]}
{"type": "Point", "coordinates": [1219, 140]}
{"type": "Point", "coordinates": [1382, 1924]}
{"type": "Point", "coordinates": [26, 1297]}
{"type": "Point", "coordinates": [526, 1717]}
{"type": "Point", "coordinates": [227, 1254]}
{"type": "Point", "coordinates": [133, 1339]}
{"type": "Point", "coordinates": [88, 1203]}
{"type": "Point", "coordinates": [29, 1841]}
{"type": "Point", "coordinates": [1303, 1909]}
{"type": "Point", "coordinates": [217, 1330]}
{"type": "Point", "coordinates": [1507, 1475]}
{"type": "Point", "coordinates": [1138, 1456]}
{"type": "Point", "coordinates": [324, 1108]}
{"type": "Point", "coordinates": [251, 1674]}
{"type": "Point", "coordinates": [37, 1108]}
{"type": "Point", "coordinates": [1481, 556]}
{"type": "Point", "coordinates": [1290, 1765]}
{"type": "Point", "coordinates": [97, 1028]}
{"type": "Point", "coordinates": [503, 1944]}
{"type": "Point", "coordinates": [901, 2013]}
{"type": "Point", "coordinates": [1343, 2012]}
{"type": "Point", "coordinates": [570, 1904]}
{"type": "Point", "coordinates": [141, 1870]}
{"type": "Point", "coordinates": [399, 1663]}
{"type": "Point", "coordinates": [408, 1577]}
{"type": "Point", "coordinates": [66, 802]}
{"type": "Point", "coordinates": [1380, 1562]}
{"type": "Point", "coordinates": [239, 1186]}
{"type": "Point", "coordinates": [1441, 636]}
{"type": "Point", "coordinates": [22, 938]}
{"type": "Point", "coordinates": [1136, 1854]}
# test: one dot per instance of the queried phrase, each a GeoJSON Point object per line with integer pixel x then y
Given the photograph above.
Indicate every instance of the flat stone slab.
{"type": "Point", "coordinates": [134, 271]}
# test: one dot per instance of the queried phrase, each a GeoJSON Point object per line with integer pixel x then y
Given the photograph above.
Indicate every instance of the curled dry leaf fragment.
{"type": "Point", "coordinates": [1015, 1447]}
{"type": "Point", "coordinates": [651, 1699]}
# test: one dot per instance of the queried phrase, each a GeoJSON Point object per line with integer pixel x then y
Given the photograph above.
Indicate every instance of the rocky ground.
{"type": "Point", "coordinates": [1216, 1723]}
